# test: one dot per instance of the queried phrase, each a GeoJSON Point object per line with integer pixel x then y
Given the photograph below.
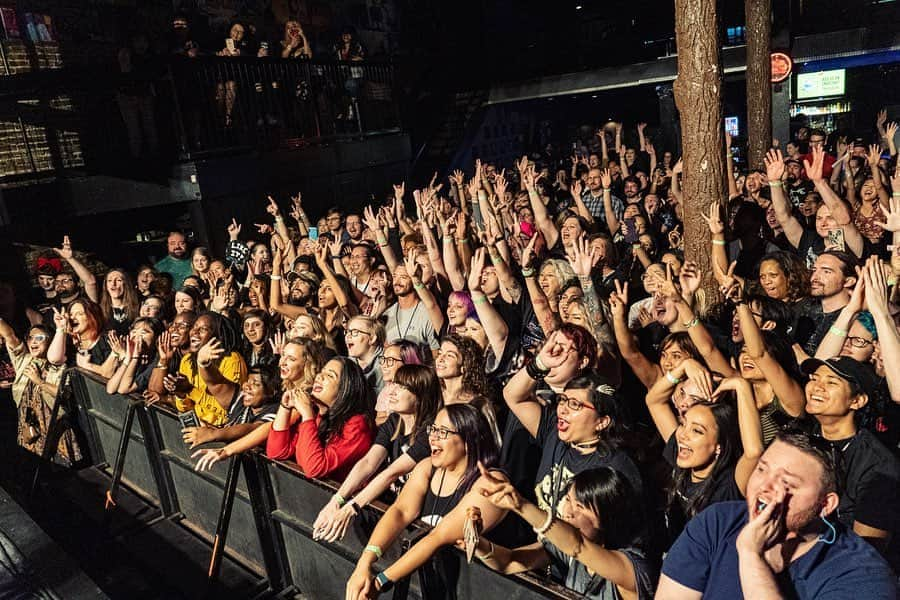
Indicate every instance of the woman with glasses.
{"type": "Point", "coordinates": [592, 548]}
{"type": "Point", "coordinates": [713, 447]}
{"type": "Point", "coordinates": [440, 492]}
{"type": "Point", "coordinates": [578, 430]}
{"type": "Point", "coordinates": [364, 337]}
{"type": "Point", "coordinates": [34, 390]}
{"type": "Point", "coordinates": [328, 428]}
{"type": "Point", "coordinates": [415, 398]}
{"type": "Point", "coordinates": [171, 346]}
{"type": "Point", "coordinates": [853, 333]}
{"type": "Point", "coordinates": [395, 355]}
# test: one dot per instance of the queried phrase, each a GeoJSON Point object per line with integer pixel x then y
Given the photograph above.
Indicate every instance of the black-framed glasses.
{"type": "Point", "coordinates": [389, 361]}
{"type": "Point", "coordinates": [441, 433]}
{"type": "Point", "coordinates": [357, 332]}
{"type": "Point", "coordinates": [573, 404]}
{"type": "Point", "coordinates": [858, 342]}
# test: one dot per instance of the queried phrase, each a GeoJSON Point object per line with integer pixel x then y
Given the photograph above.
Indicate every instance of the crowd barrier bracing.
{"type": "Point", "coordinates": [270, 527]}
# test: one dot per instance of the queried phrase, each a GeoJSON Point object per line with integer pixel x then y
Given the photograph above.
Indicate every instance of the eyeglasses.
{"type": "Point", "coordinates": [389, 361]}
{"type": "Point", "coordinates": [357, 332]}
{"type": "Point", "coordinates": [571, 403]}
{"type": "Point", "coordinates": [440, 433]}
{"type": "Point", "coordinates": [858, 342]}
{"type": "Point", "coordinates": [38, 337]}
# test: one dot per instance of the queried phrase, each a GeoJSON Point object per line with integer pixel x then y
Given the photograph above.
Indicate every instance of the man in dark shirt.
{"type": "Point", "coordinates": [832, 280]}
{"type": "Point", "coordinates": [779, 542]}
{"type": "Point", "coordinates": [869, 475]}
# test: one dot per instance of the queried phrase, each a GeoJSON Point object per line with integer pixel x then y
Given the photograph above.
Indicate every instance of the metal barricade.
{"type": "Point", "coordinates": [275, 506]}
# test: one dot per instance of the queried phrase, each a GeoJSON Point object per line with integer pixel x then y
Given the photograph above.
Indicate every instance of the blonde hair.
{"type": "Point", "coordinates": [377, 327]}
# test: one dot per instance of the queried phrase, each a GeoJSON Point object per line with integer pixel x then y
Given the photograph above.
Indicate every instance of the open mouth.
{"type": "Point", "coordinates": [684, 452]}
{"type": "Point", "coordinates": [317, 388]}
{"type": "Point", "coordinates": [435, 451]}
{"type": "Point", "coordinates": [562, 425]}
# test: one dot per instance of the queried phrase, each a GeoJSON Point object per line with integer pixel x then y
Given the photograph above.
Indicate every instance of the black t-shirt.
{"type": "Point", "coordinates": [869, 480]}
{"type": "Point", "coordinates": [417, 449]}
{"type": "Point", "coordinates": [560, 463]}
{"type": "Point", "coordinates": [809, 248]}
{"type": "Point", "coordinates": [119, 321]}
{"type": "Point", "coordinates": [724, 489]}
{"type": "Point", "coordinates": [811, 324]}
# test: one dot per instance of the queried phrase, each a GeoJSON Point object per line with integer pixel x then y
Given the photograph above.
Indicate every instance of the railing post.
{"type": "Point", "coordinates": [124, 439]}
{"type": "Point", "coordinates": [218, 549]}
{"type": "Point", "coordinates": [259, 488]}
{"type": "Point", "coordinates": [51, 444]}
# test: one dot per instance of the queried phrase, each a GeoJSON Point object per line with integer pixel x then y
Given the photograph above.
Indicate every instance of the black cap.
{"type": "Point", "coordinates": [849, 369]}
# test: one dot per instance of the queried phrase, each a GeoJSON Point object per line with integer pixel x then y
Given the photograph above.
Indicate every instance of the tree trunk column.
{"type": "Point", "coordinates": [698, 95]}
{"type": "Point", "coordinates": [758, 15]}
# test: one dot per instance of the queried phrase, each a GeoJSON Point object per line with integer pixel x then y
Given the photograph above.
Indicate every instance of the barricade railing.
{"type": "Point", "coordinates": [235, 102]}
{"type": "Point", "coordinates": [274, 507]}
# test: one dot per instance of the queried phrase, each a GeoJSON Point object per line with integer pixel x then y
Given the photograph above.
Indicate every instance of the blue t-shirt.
{"type": "Point", "coordinates": [705, 558]}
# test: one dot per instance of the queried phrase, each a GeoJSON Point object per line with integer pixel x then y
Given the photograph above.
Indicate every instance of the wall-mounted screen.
{"type": "Point", "coordinates": [821, 83]}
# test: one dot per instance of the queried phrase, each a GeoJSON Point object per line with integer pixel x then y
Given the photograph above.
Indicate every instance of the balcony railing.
{"type": "Point", "coordinates": [62, 119]}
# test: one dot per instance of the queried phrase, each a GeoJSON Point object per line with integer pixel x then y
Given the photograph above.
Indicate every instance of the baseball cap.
{"type": "Point", "coordinates": [848, 369]}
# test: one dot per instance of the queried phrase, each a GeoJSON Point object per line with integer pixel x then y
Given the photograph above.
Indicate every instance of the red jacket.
{"type": "Point", "coordinates": [335, 459]}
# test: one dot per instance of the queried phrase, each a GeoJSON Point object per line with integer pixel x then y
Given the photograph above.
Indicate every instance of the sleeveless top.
{"type": "Point", "coordinates": [435, 508]}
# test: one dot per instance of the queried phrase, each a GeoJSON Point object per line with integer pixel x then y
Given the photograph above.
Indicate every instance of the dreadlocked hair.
{"type": "Point", "coordinates": [224, 331]}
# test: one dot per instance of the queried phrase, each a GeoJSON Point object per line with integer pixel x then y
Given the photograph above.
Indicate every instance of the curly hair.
{"type": "Point", "coordinates": [794, 269]}
{"type": "Point", "coordinates": [471, 364]}
{"type": "Point", "coordinates": [224, 331]}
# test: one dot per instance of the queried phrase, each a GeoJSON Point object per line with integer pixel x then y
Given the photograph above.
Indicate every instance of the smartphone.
{"type": "Point", "coordinates": [835, 240]}
{"type": "Point", "coordinates": [631, 234]}
{"type": "Point", "coordinates": [264, 46]}
{"type": "Point", "coordinates": [313, 234]}
{"type": "Point", "coordinates": [188, 419]}
{"type": "Point", "coordinates": [229, 43]}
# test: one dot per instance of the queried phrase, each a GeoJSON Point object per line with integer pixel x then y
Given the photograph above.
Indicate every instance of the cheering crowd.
{"type": "Point", "coordinates": [529, 341]}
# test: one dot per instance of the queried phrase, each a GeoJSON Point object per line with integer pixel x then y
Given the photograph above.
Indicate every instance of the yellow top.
{"type": "Point", "coordinates": [208, 409]}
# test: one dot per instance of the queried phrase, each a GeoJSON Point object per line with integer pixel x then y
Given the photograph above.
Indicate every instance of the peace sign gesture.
{"type": "Point", "coordinates": [618, 300]}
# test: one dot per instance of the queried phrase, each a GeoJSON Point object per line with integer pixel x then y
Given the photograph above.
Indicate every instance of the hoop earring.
{"type": "Point", "coordinates": [831, 536]}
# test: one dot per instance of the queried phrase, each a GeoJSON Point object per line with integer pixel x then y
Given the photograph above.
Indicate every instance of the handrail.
{"type": "Point", "coordinates": [278, 504]}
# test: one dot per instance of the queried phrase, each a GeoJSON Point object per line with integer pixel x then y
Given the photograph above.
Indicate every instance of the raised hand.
{"type": "Point", "coordinates": [210, 351]}
{"type": "Point", "coordinates": [700, 375]}
{"type": "Point", "coordinates": [272, 207]}
{"type": "Point", "coordinates": [690, 277]}
{"type": "Point", "coordinates": [873, 156]}
{"type": "Point", "coordinates": [276, 342]}
{"type": "Point", "coordinates": [892, 214]}
{"type": "Point", "coordinates": [528, 252]}
{"type": "Point", "coordinates": [814, 170]}
{"type": "Point", "coordinates": [881, 118]}
{"type": "Point", "coordinates": [716, 227]}
{"type": "Point", "coordinates": [66, 250]}
{"type": "Point", "coordinates": [679, 167]}
{"type": "Point", "coordinates": [164, 347]}
{"type": "Point", "coordinates": [605, 178]}
{"type": "Point", "coordinates": [762, 530]}
{"type": "Point", "coordinates": [582, 260]}
{"type": "Point", "coordinates": [554, 351]}
{"type": "Point", "coordinates": [875, 280]}
{"type": "Point", "coordinates": [60, 319]}
{"type": "Point", "coordinates": [234, 229]}
{"type": "Point", "coordinates": [576, 188]}
{"type": "Point", "coordinates": [115, 343]}
{"type": "Point", "coordinates": [774, 165]}
{"type": "Point", "coordinates": [476, 268]}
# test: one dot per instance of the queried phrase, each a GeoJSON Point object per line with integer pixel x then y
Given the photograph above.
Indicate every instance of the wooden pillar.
{"type": "Point", "coordinates": [758, 15]}
{"type": "Point", "coordinates": [698, 95]}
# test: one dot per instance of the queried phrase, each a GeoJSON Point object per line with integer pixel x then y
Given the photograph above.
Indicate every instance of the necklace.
{"type": "Point", "coordinates": [408, 323]}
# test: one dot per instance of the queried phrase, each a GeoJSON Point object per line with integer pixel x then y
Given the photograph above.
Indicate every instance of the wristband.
{"type": "Point", "coordinates": [775, 183]}
{"type": "Point", "coordinates": [719, 243]}
{"type": "Point", "coordinates": [448, 239]}
{"type": "Point", "coordinates": [376, 550]}
{"type": "Point", "coordinates": [672, 379]}
{"type": "Point", "coordinates": [419, 285]}
{"type": "Point", "coordinates": [279, 218]}
{"type": "Point", "coordinates": [204, 365]}
{"type": "Point", "coordinates": [382, 241]}
{"type": "Point", "coordinates": [895, 194]}
{"type": "Point", "coordinates": [335, 257]}
{"type": "Point", "coordinates": [540, 364]}
{"type": "Point", "coordinates": [540, 531]}
{"type": "Point", "coordinates": [384, 584]}
{"type": "Point", "coordinates": [340, 499]}
{"type": "Point", "coordinates": [479, 300]}
{"type": "Point", "coordinates": [487, 556]}
{"type": "Point", "coordinates": [275, 277]}
{"type": "Point", "coordinates": [464, 240]}
{"type": "Point", "coordinates": [837, 331]}
{"type": "Point", "coordinates": [161, 366]}
{"type": "Point", "coordinates": [527, 273]}
{"type": "Point", "coordinates": [535, 372]}
{"type": "Point", "coordinates": [496, 259]}
{"type": "Point", "coordinates": [692, 323]}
